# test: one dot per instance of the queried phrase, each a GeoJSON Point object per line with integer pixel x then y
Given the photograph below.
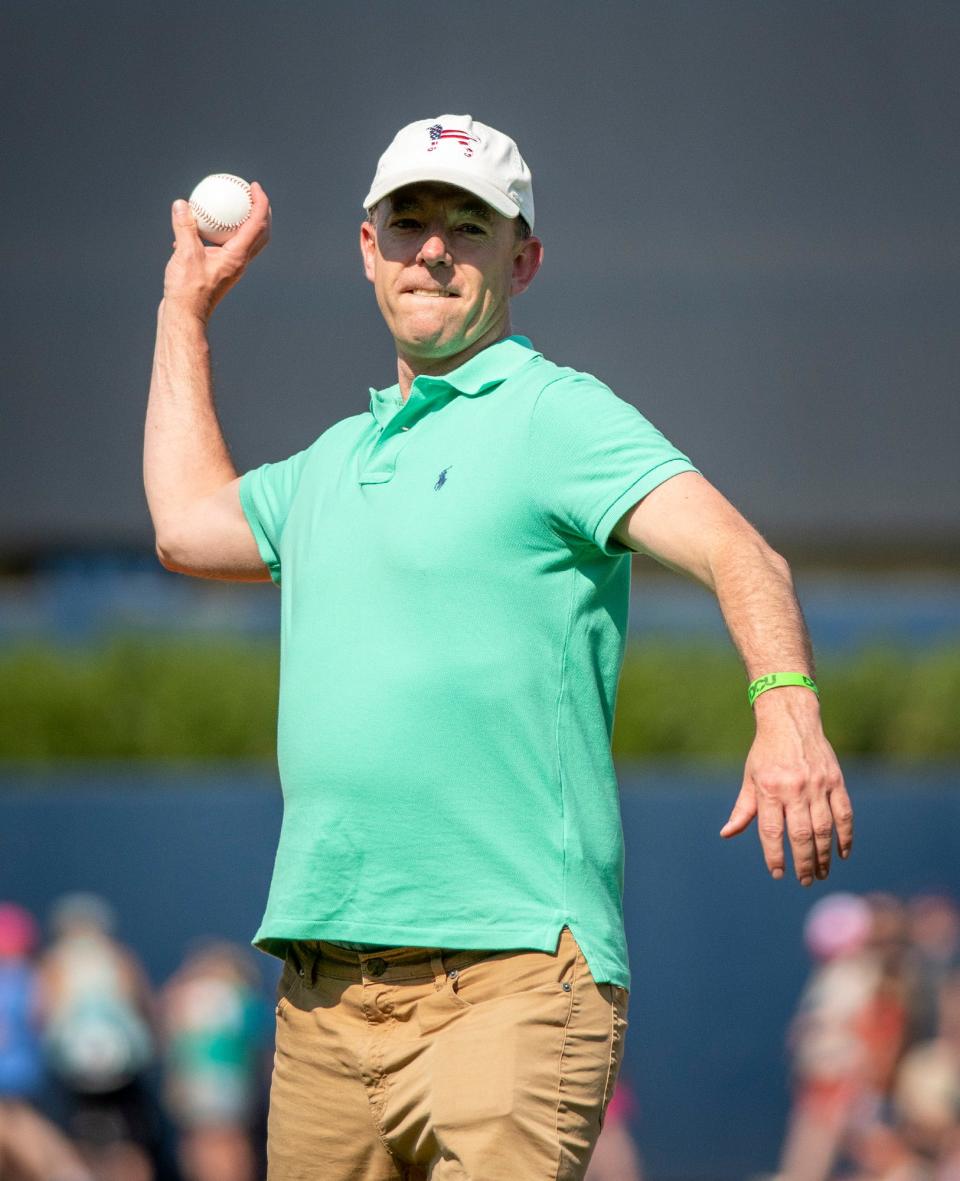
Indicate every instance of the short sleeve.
{"type": "Point", "coordinates": [594, 456]}
{"type": "Point", "coordinates": [266, 494]}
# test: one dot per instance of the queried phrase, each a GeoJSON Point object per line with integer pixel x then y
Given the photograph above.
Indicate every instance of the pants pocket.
{"type": "Point", "coordinates": [514, 973]}
{"type": "Point", "coordinates": [618, 1029]}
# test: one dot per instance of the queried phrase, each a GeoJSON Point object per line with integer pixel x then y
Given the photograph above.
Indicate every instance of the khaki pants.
{"type": "Point", "coordinates": [454, 1066]}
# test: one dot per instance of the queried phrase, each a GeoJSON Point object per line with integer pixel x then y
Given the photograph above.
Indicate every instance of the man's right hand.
{"type": "Point", "coordinates": [197, 276]}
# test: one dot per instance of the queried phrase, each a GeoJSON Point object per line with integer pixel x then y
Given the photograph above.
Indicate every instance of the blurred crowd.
{"type": "Point", "coordinates": [875, 1043]}
{"type": "Point", "coordinates": [102, 1078]}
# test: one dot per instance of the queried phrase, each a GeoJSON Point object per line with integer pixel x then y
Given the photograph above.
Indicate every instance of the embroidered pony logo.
{"type": "Point", "coordinates": [441, 479]}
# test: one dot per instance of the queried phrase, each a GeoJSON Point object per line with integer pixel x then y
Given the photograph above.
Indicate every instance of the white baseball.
{"type": "Point", "coordinates": [221, 203]}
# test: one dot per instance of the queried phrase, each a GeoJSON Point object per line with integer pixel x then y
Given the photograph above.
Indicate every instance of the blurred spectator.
{"type": "Point", "coordinates": [615, 1157]}
{"type": "Point", "coordinates": [927, 1094]}
{"type": "Point", "coordinates": [98, 1039]}
{"type": "Point", "coordinates": [887, 1021]}
{"type": "Point", "coordinates": [934, 926]}
{"type": "Point", "coordinates": [876, 1043]}
{"type": "Point", "coordinates": [215, 1024]}
{"type": "Point", "coordinates": [31, 1148]}
{"type": "Point", "coordinates": [831, 1061]}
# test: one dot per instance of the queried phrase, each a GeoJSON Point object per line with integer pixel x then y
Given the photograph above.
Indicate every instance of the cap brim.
{"type": "Point", "coordinates": [494, 197]}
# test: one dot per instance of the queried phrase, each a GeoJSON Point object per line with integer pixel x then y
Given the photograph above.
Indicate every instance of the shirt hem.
{"type": "Point", "coordinates": [274, 939]}
{"type": "Point", "coordinates": [540, 936]}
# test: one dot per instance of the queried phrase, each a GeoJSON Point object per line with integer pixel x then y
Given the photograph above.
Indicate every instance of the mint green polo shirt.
{"type": "Point", "coordinates": [453, 617]}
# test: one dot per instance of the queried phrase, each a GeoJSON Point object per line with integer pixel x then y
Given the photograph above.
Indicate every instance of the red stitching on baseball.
{"type": "Point", "coordinates": [215, 223]}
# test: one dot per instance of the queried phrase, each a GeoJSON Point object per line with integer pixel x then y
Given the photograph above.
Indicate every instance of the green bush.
{"type": "Point", "coordinates": [885, 702]}
{"type": "Point", "coordinates": [170, 699]}
{"type": "Point", "coordinates": [184, 699]}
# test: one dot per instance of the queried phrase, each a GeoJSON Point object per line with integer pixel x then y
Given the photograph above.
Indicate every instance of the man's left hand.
{"type": "Point", "coordinates": [792, 783]}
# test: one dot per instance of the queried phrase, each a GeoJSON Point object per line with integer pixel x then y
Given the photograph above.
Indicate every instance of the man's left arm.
{"type": "Point", "coordinates": [792, 781]}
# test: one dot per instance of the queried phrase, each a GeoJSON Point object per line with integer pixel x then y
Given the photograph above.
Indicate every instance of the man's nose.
{"type": "Point", "coordinates": [434, 250]}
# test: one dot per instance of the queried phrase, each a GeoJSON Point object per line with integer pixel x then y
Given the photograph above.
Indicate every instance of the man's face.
{"type": "Point", "coordinates": [444, 266]}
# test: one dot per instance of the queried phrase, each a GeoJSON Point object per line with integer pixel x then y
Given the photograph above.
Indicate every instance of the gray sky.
{"type": "Point", "coordinates": [750, 212]}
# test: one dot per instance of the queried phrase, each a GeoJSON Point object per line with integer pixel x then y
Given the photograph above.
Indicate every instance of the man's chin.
{"type": "Point", "coordinates": [436, 338]}
{"type": "Point", "coordinates": [430, 342]}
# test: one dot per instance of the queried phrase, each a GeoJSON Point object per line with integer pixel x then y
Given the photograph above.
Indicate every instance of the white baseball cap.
{"type": "Point", "coordinates": [457, 150]}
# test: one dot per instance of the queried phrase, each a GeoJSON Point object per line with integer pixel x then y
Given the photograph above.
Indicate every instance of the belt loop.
{"type": "Point", "coordinates": [305, 961]}
{"type": "Point", "coordinates": [315, 957]}
{"type": "Point", "coordinates": [439, 971]}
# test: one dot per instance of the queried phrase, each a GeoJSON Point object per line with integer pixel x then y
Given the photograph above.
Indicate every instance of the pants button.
{"type": "Point", "coordinates": [376, 966]}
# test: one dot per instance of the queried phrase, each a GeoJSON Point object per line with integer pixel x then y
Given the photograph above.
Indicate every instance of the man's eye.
{"type": "Point", "coordinates": [469, 227]}
{"type": "Point", "coordinates": [405, 223]}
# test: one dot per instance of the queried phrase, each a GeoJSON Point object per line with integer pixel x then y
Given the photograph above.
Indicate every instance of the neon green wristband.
{"type": "Point", "coordinates": [776, 680]}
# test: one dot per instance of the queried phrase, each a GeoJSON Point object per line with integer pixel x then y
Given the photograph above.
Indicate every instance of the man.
{"type": "Point", "coordinates": [455, 568]}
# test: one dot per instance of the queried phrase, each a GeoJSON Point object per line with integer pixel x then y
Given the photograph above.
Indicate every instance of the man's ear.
{"type": "Point", "coordinates": [526, 263]}
{"type": "Point", "coordinates": [368, 249]}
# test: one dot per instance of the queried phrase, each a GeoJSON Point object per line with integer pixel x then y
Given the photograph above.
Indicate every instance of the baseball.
{"type": "Point", "coordinates": [221, 203]}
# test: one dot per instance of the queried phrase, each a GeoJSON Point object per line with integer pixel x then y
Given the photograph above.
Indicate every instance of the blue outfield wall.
{"type": "Point", "coordinates": [715, 944]}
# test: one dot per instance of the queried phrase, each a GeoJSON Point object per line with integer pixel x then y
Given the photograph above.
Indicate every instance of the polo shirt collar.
{"type": "Point", "coordinates": [490, 367]}
{"type": "Point", "coordinates": [483, 372]}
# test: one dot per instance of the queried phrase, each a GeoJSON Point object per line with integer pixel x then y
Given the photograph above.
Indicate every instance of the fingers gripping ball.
{"type": "Point", "coordinates": [221, 204]}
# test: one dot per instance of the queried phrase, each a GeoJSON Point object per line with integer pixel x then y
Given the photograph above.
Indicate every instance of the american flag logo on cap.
{"type": "Point", "coordinates": [438, 132]}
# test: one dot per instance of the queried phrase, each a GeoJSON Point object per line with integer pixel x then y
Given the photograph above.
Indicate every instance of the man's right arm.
{"type": "Point", "coordinates": [191, 483]}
